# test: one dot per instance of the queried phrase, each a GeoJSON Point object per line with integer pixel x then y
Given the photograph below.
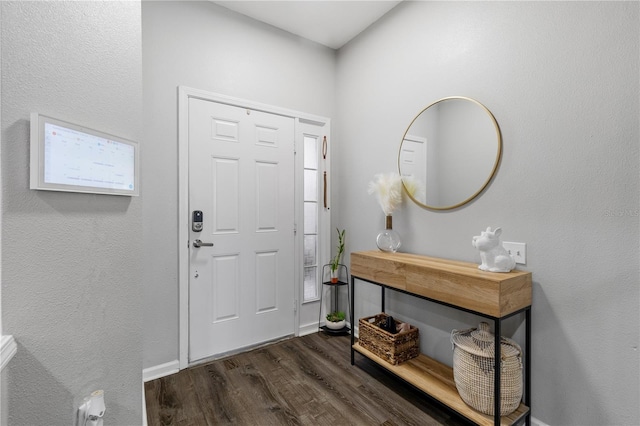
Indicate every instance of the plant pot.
{"type": "Point", "coordinates": [334, 276]}
{"type": "Point", "coordinates": [338, 325]}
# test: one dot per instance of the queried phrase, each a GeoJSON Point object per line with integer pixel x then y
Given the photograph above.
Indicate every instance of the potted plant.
{"type": "Point", "coordinates": [335, 262]}
{"type": "Point", "coordinates": [336, 320]}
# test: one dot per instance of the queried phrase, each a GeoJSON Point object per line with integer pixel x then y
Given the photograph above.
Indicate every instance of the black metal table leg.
{"type": "Point", "coordinates": [496, 374]}
{"type": "Point", "coordinates": [320, 309]}
{"type": "Point", "coordinates": [352, 314]}
{"type": "Point", "coordinates": [527, 364]}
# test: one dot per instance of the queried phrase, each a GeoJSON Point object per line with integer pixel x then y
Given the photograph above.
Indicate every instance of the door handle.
{"type": "Point", "coordinates": [198, 243]}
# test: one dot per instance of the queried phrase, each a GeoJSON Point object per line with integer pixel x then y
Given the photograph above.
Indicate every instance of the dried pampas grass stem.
{"type": "Point", "coordinates": [388, 190]}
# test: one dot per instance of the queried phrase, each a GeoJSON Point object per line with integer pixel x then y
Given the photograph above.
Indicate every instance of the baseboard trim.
{"type": "Point", "coordinates": [8, 348]}
{"type": "Point", "coordinates": [306, 329]}
{"type": "Point", "coordinates": [536, 422]}
{"type": "Point", "coordinates": [161, 370]}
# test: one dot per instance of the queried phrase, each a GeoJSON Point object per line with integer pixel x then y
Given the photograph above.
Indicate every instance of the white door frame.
{"type": "Point", "coordinates": [184, 94]}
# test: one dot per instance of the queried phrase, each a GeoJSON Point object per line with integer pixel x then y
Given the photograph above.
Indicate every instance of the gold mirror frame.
{"type": "Point", "coordinates": [482, 184]}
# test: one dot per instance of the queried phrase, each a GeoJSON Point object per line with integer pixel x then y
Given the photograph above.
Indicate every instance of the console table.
{"type": "Point", "coordinates": [461, 286]}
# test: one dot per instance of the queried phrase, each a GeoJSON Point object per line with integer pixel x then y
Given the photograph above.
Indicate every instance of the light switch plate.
{"type": "Point", "coordinates": [517, 250]}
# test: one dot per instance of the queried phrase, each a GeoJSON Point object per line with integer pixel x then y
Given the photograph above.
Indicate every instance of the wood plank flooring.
{"type": "Point", "coordinates": [301, 381]}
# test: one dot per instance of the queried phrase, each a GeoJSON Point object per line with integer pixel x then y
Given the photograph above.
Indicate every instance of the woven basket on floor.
{"type": "Point", "coordinates": [393, 348]}
{"type": "Point", "coordinates": [473, 370]}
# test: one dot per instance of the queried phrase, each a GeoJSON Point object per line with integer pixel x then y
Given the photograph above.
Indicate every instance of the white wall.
{"type": "Point", "coordinates": [205, 46]}
{"type": "Point", "coordinates": [71, 275]}
{"type": "Point", "coordinates": [562, 81]}
{"type": "Point", "coordinates": [2, 381]}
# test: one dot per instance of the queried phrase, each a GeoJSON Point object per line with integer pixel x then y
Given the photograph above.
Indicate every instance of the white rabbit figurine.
{"type": "Point", "coordinates": [494, 257]}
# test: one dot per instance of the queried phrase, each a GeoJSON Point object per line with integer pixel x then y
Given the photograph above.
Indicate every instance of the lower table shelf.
{"type": "Point", "coordinates": [436, 380]}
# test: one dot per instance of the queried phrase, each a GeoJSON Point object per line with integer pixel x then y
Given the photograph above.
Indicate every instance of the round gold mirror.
{"type": "Point", "coordinates": [449, 153]}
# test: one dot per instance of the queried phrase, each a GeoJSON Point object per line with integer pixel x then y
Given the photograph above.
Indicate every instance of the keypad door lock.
{"type": "Point", "coordinates": [196, 221]}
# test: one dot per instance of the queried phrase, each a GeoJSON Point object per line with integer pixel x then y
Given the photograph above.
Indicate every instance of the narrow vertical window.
{"type": "Point", "coordinates": [310, 218]}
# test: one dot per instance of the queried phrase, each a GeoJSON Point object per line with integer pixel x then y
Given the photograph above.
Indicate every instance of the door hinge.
{"type": "Point", "coordinates": [295, 306]}
{"type": "Point", "coordinates": [295, 229]}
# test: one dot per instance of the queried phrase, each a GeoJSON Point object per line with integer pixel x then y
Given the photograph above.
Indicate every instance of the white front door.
{"type": "Point", "coordinates": [413, 157]}
{"type": "Point", "coordinates": [413, 163]}
{"type": "Point", "coordinates": [241, 177]}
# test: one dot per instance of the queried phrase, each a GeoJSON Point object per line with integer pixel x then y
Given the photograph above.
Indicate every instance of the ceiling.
{"type": "Point", "coordinates": [330, 22]}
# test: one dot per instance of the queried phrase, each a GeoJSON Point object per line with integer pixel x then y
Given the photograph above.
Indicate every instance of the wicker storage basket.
{"type": "Point", "coordinates": [393, 348]}
{"type": "Point", "coordinates": [473, 370]}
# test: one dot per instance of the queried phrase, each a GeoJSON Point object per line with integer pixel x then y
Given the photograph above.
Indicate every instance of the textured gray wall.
{"type": "Point", "coordinates": [561, 79]}
{"type": "Point", "coordinates": [71, 284]}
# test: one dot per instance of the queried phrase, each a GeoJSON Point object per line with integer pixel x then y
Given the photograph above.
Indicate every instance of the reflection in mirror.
{"type": "Point", "coordinates": [449, 153]}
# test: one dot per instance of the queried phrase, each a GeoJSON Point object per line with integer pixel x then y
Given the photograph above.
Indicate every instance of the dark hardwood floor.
{"type": "Point", "coordinates": [301, 381]}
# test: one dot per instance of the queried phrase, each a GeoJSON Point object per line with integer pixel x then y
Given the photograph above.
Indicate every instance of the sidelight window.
{"type": "Point", "coordinates": [311, 213]}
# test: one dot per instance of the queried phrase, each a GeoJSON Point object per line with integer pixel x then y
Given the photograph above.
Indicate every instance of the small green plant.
{"type": "Point", "coordinates": [335, 262]}
{"type": "Point", "coordinates": [336, 316]}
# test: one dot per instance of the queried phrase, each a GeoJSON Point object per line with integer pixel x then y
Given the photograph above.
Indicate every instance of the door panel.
{"type": "Point", "coordinates": [224, 285]}
{"type": "Point", "coordinates": [267, 281]}
{"type": "Point", "coordinates": [241, 174]}
{"type": "Point", "coordinates": [266, 197]}
{"type": "Point", "coordinates": [226, 199]}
